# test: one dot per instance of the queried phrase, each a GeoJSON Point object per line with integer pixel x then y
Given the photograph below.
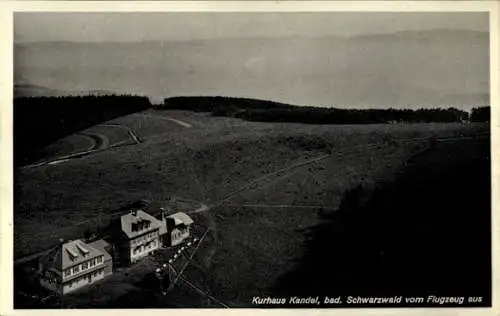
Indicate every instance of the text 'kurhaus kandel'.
{"type": "Point", "coordinates": [325, 300]}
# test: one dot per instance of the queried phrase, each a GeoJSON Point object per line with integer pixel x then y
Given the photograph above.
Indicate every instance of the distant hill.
{"type": "Point", "coordinates": [31, 90]}
{"type": "Point", "coordinates": [431, 35]}
{"type": "Point", "coordinates": [403, 70]}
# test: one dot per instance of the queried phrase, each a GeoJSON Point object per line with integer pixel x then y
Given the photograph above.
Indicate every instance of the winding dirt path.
{"type": "Point", "coordinates": [166, 118]}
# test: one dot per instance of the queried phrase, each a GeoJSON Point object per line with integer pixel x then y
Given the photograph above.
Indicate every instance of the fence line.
{"type": "Point", "coordinates": [202, 292]}
{"type": "Point", "coordinates": [179, 274]}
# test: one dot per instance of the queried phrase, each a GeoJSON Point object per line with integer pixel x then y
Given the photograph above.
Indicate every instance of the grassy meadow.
{"type": "Point", "coordinates": [270, 196]}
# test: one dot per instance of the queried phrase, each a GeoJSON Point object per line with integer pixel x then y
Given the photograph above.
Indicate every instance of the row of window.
{"type": "Point", "coordinates": [141, 225]}
{"type": "Point", "coordinates": [86, 277]}
{"type": "Point", "coordinates": [179, 233]}
{"type": "Point", "coordinates": [145, 247]}
{"type": "Point", "coordinates": [144, 238]}
{"type": "Point", "coordinates": [83, 266]}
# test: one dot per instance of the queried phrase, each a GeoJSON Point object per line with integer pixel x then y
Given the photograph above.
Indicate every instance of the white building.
{"type": "Point", "coordinates": [137, 236]}
{"type": "Point", "coordinates": [74, 264]}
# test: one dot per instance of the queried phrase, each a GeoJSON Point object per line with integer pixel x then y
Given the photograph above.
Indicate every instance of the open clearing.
{"type": "Point", "coordinates": [300, 171]}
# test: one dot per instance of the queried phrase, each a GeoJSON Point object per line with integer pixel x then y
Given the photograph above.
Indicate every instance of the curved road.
{"type": "Point", "coordinates": [101, 142]}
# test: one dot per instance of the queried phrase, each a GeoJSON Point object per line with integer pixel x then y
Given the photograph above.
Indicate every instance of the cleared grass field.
{"type": "Point", "coordinates": [201, 164]}
{"type": "Point", "coordinates": [214, 160]}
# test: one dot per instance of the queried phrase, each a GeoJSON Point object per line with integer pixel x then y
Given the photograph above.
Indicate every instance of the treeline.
{"type": "Point", "coordinates": [268, 111]}
{"type": "Point", "coordinates": [353, 116]}
{"type": "Point", "coordinates": [39, 121]}
{"type": "Point", "coordinates": [480, 114]}
{"type": "Point", "coordinates": [219, 105]}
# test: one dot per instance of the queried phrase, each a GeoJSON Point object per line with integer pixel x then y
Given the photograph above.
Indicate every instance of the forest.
{"type": "Point", "coordinates": [39, 121]}
{"type": "Point", "coordinates": [480, 114]}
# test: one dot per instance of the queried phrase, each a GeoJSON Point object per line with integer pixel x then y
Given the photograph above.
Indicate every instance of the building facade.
{"type": "Point", "coordinates": [137, 236]}
{"type": "Point", "coordinates": [73, 265]}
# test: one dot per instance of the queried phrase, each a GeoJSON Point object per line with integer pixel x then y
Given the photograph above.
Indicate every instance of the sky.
{"type": "Point", "coordinates": [398, 71]}
{"type": "Point", "coordinates": [134, 26]}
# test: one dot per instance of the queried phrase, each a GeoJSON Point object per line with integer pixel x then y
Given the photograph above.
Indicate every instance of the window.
{"type": "Point", "coordinates": [67, 272]}
{"type": "Point", "coordinates": [85, 265]}
{"type": "Point", "coordinates": [76, 269]}
{"type": "Point", "coordinates": [91, 263]}
{"type": "Point", "coordinates": [99, 259]}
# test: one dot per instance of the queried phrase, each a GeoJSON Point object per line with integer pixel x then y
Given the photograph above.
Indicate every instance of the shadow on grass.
{"type": "Point", "coordinates": [427, 232]}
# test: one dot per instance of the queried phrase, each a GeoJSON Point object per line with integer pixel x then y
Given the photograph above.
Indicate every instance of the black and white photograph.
{"type": "Point", "coordinates": [251, 160]}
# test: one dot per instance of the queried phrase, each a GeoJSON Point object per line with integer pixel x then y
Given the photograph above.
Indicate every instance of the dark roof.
{"type": "Point", "coordinates": [136, 218]}
{"type": "Point", "coordinates": [181, 218]}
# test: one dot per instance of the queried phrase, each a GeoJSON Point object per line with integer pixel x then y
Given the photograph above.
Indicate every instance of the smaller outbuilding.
{"type": "Point", "coordinates": [175, 228]}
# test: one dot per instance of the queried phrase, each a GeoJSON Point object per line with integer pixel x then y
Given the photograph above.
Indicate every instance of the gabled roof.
{"type": "Point", "coordinates": [101, 245]}
{"type": "Point", "coordinates": [69, 254]}
{"type": "Point", "coordinates": [181, 218]}
{"type": "Point", "coordinates": [140, 216]}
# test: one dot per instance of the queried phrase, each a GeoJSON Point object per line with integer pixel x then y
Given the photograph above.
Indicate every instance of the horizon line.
{"type": "Point", "coordinates": [339, 36]}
